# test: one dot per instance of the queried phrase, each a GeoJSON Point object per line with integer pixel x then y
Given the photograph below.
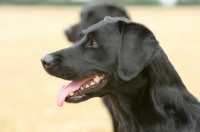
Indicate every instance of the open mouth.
{"type": "Point", "coordinates": [77, 89]}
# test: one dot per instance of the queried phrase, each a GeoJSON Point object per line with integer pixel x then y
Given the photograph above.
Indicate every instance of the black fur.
{"type": "Point", "coordinates": [91, 14]}
{"type": "Point", "coordinates": [146, 92]}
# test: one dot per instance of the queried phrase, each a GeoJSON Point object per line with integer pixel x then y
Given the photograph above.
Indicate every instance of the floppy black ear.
{"type": "Point", "coordinates": [138, 47]}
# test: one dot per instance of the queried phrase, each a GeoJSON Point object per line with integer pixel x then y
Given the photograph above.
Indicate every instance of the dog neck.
{"type": "Point", "coordinates": [125, 102]}
{"type": "Point", "coordinates": [162, 72]}
{"type": "Point", "coordinates": [135, 108]}
{"type": "Point", "coordinates": [164, 94]}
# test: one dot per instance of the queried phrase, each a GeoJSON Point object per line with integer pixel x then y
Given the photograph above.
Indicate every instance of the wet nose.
{"type": "Point", "coordinates": [47, 61]}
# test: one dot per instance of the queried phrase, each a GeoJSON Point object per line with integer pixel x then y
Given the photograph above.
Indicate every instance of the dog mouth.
{"type": "Point", "coordinates": [77, 90]}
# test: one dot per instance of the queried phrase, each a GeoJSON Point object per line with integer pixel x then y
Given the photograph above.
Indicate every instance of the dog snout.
{"type": "Point", "coordinates": [68, 31]}
{"type": "Point", "coordinates": [70, 34]}
{"type": "Point", "coordinates": [47, 61]}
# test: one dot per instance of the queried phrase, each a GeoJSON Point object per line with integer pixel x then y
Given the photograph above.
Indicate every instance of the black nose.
{"type": "Point", "coordinates": [72, 33]}
{"type": "Point", "coordinates": [68, 31]}
{"type": "Point", "coordinates": [47, 61]}
{"type": "Point", "coordinates": [69, 34]}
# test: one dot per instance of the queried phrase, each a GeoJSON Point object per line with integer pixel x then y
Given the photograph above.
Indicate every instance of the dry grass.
{"type": "Point", "coordinates": [28, 94]}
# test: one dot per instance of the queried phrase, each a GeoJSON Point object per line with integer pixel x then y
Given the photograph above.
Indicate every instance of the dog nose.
{"type": "Point", "coordinates": [68, 31]}
{"type": "Point", "coordinates": [47, 61]}
{"type": "Point", "coordinates": [71, 34]}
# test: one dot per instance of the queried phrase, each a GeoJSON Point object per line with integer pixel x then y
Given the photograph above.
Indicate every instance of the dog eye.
{"type": "Point", "coordinates": [94, 44]}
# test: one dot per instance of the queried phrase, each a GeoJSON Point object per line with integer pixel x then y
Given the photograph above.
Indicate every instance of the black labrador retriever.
{"type": "Point", "coordinates": [93, 13]}
{"type": "Point", "coordinates": [123, 59]}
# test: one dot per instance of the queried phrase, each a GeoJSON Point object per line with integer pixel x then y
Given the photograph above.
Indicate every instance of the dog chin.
{"type": "Point", "coordinates": [77, 99]}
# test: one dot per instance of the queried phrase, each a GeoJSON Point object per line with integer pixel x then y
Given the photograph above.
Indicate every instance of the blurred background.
{"type": "Point", "coordinates": [81, 2]}
{"type": "Point", "coordinates": [29, 29]}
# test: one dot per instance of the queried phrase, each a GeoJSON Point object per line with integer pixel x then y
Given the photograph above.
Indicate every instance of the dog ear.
{"type": "Point", "coordinates": [138, 47]}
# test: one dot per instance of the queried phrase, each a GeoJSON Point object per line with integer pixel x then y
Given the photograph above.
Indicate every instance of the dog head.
{"type": "Point", "coordinates": [107, 53]}
{"type": "Point", "coordinates": [92, 14]}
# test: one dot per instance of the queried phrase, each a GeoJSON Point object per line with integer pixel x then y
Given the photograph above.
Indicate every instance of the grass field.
{"type": "Point", "coordinates": [28, 94]}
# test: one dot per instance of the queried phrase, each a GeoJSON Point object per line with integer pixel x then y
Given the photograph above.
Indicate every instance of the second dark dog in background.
{"type": "Point", "coordinates": [91, 14]}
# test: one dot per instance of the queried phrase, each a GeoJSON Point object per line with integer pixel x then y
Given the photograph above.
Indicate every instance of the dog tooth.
{"type": "Point", "coordinates": [71, 94]}
{"type": "Point", "coordinates": [92, 83]}
{"type": "Point", "coordinates": [102, 77]}
{"type": "Point", "coordinates": [87, 86]}
{"type": "Point", "coordinates": [82, 88]}
{"type": "Point", "coordinates": [96, 79]}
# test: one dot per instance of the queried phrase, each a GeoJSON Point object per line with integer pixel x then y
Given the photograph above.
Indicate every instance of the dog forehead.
{"type": "Point", "coordinates": [92, 8]}
{"type": "Point", "coordinates": [108, 25]}
{"type": "Point", "coordinates": [109, 21]}
{"type": "Point", "coordinates": [102, 25]}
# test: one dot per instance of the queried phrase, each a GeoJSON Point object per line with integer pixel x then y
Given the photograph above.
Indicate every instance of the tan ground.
{"type": "Point", "coordinates": [28, 94]}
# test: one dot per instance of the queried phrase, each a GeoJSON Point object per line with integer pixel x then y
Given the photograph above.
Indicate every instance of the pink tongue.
{"type": "Point", "coordinates": [65, 90]}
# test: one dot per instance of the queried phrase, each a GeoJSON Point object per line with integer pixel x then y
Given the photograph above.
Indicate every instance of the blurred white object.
{"type": "Point", "coordinates": [168, 3]}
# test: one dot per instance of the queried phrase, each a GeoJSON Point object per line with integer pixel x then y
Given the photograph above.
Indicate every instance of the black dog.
{"type": "Point", "coordinates": [92, 14]}
{"type": "Point", "coordinates": [123, 59]}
